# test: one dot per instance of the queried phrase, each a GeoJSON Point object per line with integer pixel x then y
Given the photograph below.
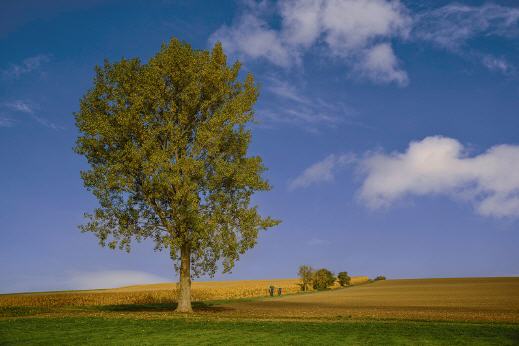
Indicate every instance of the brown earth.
{"type": "Point", "coordinates": [459, 299]}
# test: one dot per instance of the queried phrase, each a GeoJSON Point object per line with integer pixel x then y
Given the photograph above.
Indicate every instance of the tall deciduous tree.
{"type": "Point", "coordinates": [167, 146]}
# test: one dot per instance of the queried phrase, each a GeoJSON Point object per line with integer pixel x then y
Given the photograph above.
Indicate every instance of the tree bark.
{"type": "Point", "coordinates": [184, 293]}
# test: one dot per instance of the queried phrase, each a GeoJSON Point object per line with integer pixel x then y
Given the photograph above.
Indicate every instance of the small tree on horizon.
{"type": "Point", "coordinates": [305, 274]}
{"type": "Point", "coordinates": [344, 279]}
{"type": "Point", "coordinates": [166, 142]}
{"type": "Point", "coordinates": [322, 279]}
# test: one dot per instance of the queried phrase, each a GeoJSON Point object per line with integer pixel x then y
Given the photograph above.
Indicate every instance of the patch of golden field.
{"type": "Point", "coordinates": [157, 293]}
{"type": "Point", "coordinates": [456, 299]}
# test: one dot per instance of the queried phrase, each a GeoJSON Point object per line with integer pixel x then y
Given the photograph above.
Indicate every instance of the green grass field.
{"type": "Point", "coordinates": [102, 331]}
{"type": "Point", "coordinates": [473, 311]}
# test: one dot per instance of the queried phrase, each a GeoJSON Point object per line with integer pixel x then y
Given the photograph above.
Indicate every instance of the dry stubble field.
{"type": "Point", "coordinates": [457, 299]}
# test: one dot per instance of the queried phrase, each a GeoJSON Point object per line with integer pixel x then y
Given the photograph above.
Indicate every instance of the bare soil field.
{"type": "Point", "coordinates": [457, 299]}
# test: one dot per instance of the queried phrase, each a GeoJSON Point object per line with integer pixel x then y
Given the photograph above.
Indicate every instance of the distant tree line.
{"type": "Point", "coordinates": [323, 278]}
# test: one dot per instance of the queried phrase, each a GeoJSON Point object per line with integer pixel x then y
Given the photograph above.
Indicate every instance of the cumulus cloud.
{"type": "Point", "coordinates": [112, 279]}
{"type": "Point", "coordinates": [441, 166]}
{"type": "Point", "coordinates": [322, 171]}
{"type": "Point", "coordinates": [353, 24]}
{"type": "Point", "coordinates": [360, 33]}
{"type": "Point", "coordinates": [381, 65]}
{"type": "Point", "coordinates": [251, 37]}
{"type": "Point", "coordinates": [27, 65]}
{"type": "Point", "coordinates": [347, 28]}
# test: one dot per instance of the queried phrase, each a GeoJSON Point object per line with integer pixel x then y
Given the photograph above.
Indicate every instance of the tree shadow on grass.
{"type": "Point", "coordinates": [15, 311]}
{"type": "Point", "coordinates": [161, 307]}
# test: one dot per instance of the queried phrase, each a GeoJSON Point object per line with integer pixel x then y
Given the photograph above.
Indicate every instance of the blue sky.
{"type": "Point", "coordinates": [390, 131]}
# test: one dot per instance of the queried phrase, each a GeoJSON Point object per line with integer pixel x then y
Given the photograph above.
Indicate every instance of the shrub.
{"type": "Point", "coordinates": [380, 277]}
{"type": "Point", "coordinates": [323, 278]}
{"type": "Point", "coordinates": [344, 279]}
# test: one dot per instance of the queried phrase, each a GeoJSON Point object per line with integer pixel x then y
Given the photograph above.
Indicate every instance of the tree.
{"type": "Point", "coordinates": [167, 144]}
{"type": "Point", "coordinates": [344, 279]}
{"type": "Point", "coordinates": [323, 278]}
{"type": "Point", "coordinates": [305, 274]}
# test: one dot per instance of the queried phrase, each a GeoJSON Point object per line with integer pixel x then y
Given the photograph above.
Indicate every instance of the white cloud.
{"type": "Point", "coordinates": [20, 106]}
{"type": "Point", "coordinates": [451, 26]}
{"type": "Point", "coordinates": [496, 64]}
{"type": "Point", "coordinates": [292, 105]}
{"type": "Point", "coordinates": [284, 89]}
{"type": "Point", "coordinates": [354, 24]}
{"type": "Point", "coordinates": [454, 26]}
{"type": "Point", "coordinates": [348, 28]}
{"type": "Point", "coordinates": [381, 65]}
{"type": "Point", "coordinates": [112, 279]}
{"type": "Point", "coordinates": [251, 37]}
{"type": "Point", "coordinates": [27, 65]}
{"type": "Point", "coordinates": [322, 171]}
{"type": "Point", "coordinates": [301, 22]}
{"type": "Point", "coordinates": [44, 122]}
{"type": "Point", "coordinates": [441, 166]}
{"type": "Point", "coordinates": [29, 108]}
{"type": "Point", "coordinates": [359, 33]}
{"type": "Point", "coordinates": [307, 118]}
{"type": "Point", "coordinates": [6, 122]}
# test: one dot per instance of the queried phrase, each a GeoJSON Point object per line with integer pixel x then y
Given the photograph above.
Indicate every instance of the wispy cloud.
{"type": "Point", "coordinates": [6, 122]}
{"type": "Point", "coordinates": [30, 109]}
{"type": "Point", "coordinates": [112, 279]}
{"type": "Point", "coordinates": [20, 106]}
{"type": "Point", "coordinates": [25, 66]}
{"type": "Point", "coordinates": [322, 171]}
{"type": "Point", "coordinates": [291, 104]}
{"type": "Point", "coordinates": [44, 122]}
{"type": "Point", "coordinates": [496, 64]}
{"type": "Point", "coordinates": [441, 166]}
{"type": "Point", "coordinates": [285, 90]}
{"type": "Point", "coordinates": [454, 26]}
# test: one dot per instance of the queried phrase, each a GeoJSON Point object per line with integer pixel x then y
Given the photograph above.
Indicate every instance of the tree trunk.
{"type": "Point", "coordinates": [184, 294]}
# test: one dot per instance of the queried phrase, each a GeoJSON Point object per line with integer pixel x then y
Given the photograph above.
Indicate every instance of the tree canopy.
{"type": "Point", "coordinates": [344, 279]}
{"type": "Point", "coordinates": [306, 274]}
{"type": "Point", "coordinates": [322, 279]}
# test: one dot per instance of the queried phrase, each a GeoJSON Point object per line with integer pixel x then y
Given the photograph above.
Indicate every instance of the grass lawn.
{"type": "Point", "coordinates": [122, 331]}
